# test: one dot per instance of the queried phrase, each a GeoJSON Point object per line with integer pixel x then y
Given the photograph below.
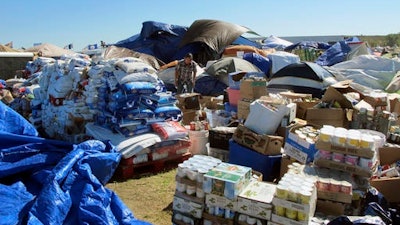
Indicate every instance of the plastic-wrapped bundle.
{"type": "Point", "coordinates": [134, 113]}
{"type": "Point", "coordinates": [139, 88]}
{"type": "Point", "coordinates": [170, 130]}
{"type": "Point", "coordinates": [124, 77]}
{"type": "Point", "coordinates": [168, 112]}
{"type": "Point", "coordinates": [158, 99]}
{"type": "Point", "coordinates": [134, 65]}
{"type": "Point", "coordinates": [133, 130]}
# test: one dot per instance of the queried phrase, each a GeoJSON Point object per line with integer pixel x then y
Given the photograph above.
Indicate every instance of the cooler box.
{"type": "Point", "coordinates": [233, 96]}
{"type": "Point", "coordinates": [268, 165]}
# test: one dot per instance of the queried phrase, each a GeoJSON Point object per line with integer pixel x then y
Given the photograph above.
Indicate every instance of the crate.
{"type": "Point", "coordinates": [268, 165]}
{"type": "Point", "coordinates": [124, 172]}
{"type": "Point", "coordinates": [219, 137]}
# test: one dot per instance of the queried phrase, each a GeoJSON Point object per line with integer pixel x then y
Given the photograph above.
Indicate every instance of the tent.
{"type": "Point", "coordinates": [226, 65]}
{"type": "Point", "coordinates": [275, 42]}
{"type": "Point", "coordinates": [216, 76]}
{"type": "Point", "coordinates": [120, 52]}
{"type": "Point", "coordinates": [158, 39]}
{"type": "Point", "coordinates": [50, 50]}
{"type": "Point", "coordinates": [4, 48]}
{"type": "Point", "coordinates": [304, 77]}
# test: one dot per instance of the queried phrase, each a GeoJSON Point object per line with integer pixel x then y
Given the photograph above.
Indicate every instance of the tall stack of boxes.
{"type": "Point", "coordinates": [250, 90]}
{"type": "Point", "coordinates": [188, 203]}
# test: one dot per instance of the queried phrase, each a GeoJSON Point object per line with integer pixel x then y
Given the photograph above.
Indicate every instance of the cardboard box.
{"type": "Point", "coordinates": [298, 148]}
{"type": "Point", "coordinates": [226, 180]}
{"type": "Point", "coordinates": [221, 201]}
{"type": "Point", "coordinates": [192, 208]}
{"type": "Point", "coordinates": [253, 88]}
{"type": "Point", "coordinates": [388, 186]}
{"type": "Point", "coordinates": [301, 108]}
{"type": "Point", "coordinates": [216, 220]}
{"type": "Point", "coordinates": [256, 199]}
{"type": "Point", "coordinates": [343, 167]}
{"type": "Point", "coordinates": [330, 208]}
{"type": "Point", "coordinates": [219, 137]}
{"type": "Point", "coordinates": [243, 109]}
{"type": "Point", "coordinates": [262, 143]}
{"type": "Point", "coordinates": [333, 116]}
{"type": "Point", "coordinates": [366, 153]}
{"type": "Point", "coordinates": [335, 196]}
{"type": "Point", "coordinates": [308, 209]}
{"type": "Point", "coordinates": [188, 116]}
{"type": "Point", "coordinates": [264, 117]}
{"type": "Point", "coordinates": [285, 161]}
{"type": "Point", "coordinates": [189, 100]}
{"type": "Point", "coordinates": [209, 102]}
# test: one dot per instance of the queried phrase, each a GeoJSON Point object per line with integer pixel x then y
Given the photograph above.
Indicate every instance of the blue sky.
{"type": "Point", "coordinates": [84, 22]}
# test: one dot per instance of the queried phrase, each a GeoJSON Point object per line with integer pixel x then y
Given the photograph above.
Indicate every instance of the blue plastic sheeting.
{"type": "Point", "coordinates": [158, 39]}
{"type": "Point", "coordinates": [263, 63]}
{"type": "Point", "coordinates": [209, 85]}
{"type": "Point", "coordinates": [13, 122]}
{"type": "Point", "coordinates": [53, 182]}
{"type": "Point", "coordinates": [335, 54]}
{"type": "Point", "coordinates": [309, 44]}
{"type": "Point", "coordinates": [47, 185]}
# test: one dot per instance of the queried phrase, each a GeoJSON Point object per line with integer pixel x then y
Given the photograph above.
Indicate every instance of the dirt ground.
{"type": "Point", "coordinates": [149, 198]}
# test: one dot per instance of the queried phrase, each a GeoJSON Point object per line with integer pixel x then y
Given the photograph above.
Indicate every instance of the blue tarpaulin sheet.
{"type": "Point", "coordinates": [46, 181]}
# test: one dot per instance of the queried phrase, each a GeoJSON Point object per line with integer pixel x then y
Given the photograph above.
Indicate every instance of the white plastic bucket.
{"type": "Point", "coordinates": [199, 140]}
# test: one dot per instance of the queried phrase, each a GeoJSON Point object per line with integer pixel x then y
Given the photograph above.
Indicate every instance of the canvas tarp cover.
{"type": "Point", "coordinates": [368, 70]}
{"type": "Point", "coordinates": [215, 34]}
{"type": "Point", "coordinates": [50, 50]}
{"type": "Point", "coordinates": [305, 77]}
{"type": "Point", "coordinates": [120, 52]}
{"type": "Point", "coordinates": [46, 181]}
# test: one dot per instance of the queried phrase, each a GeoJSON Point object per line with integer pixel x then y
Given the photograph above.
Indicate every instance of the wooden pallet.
{"type": "Point", "coordinates": [124, 172]}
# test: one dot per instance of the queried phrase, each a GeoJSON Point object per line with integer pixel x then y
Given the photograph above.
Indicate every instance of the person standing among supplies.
{"type": "Point", "coordinates": [185, 74]}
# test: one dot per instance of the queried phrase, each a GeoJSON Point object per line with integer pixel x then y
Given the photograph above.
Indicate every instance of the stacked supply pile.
{"type": "Point", "coordinates": [188, 202]}
{"type": "Point", "coordinates": [295, 199]}
{"type": "Point", "coordinates": [212, 192]}
{"type": "Point", "coordinates": [255, 143]}
{"type": "Point", "coordinates": [300, 142]}
{"type": "Point", "coordinates": [252, 87]}
{"type": "Point", "coordinates": [351, 151]}
{"type": "Point", "coordinates": [64, 112]}
{"type": "Point", "coordinates": [254, 203]}
{"type": "Point", "coordinates": [222, 186]}
{"type": "Point", "coordinates": [131, 98]}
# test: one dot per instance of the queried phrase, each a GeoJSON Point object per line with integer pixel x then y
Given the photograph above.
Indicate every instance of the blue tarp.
{"type": "Point", "coordinates": [336, 53]}
{"type": "Point", "coordinates": [52, 182]}
{"type": "Point", "coordinates": [309, 44]}
{"type": "Point", "coordinates": [206, 39]}
{"type": "Point", "coordinates": [263, 63]}
{"type": "Point", "coordinates": [158, 39]}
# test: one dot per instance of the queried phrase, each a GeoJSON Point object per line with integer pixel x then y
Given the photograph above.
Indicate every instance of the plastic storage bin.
{"type": "Point", "coordinates": [268, 165]}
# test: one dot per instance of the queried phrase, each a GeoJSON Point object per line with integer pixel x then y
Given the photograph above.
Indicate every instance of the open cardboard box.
{"type": "Point", "coordinates": [388, 186]}
{"type": "Point", "coordinates": [338, 117]}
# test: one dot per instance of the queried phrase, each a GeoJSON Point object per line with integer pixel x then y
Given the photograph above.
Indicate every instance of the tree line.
{"type": "Point", "coordinates": [382, 40]}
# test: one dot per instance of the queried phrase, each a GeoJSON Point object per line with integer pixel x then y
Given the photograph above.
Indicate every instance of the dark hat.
{"type": "Point", "coordinates": [189, 55]}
